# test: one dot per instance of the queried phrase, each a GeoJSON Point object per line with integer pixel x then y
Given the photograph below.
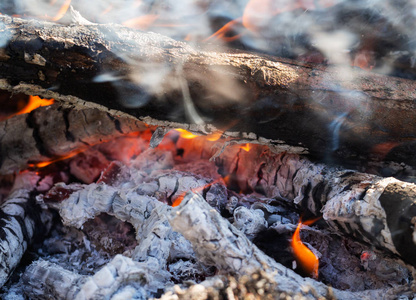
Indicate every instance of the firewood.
{"type": "Point", "coordinates": [136, 193]}
{"type": "Point", "coordinates": [341, 112]}
{"type": "Point", "coordinates": [23, 220]}
{"type": "Point", "coordinates": [57, 131]}
{"type": "Point", "coordinates": [376, 210]}
{"type": "Point", "coordinates": [217, 242]}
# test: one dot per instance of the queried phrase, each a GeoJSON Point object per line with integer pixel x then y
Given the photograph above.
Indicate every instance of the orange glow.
{"type": "Point", "coordinates": [214, 136]}
{"type": "Point", "coordinates": [47, 163]}
{"type": "Point", "coordinates": [33, 103]}
{"type": "Point", "coordinates": [186, 134]}
{"type": "Point", "coordinates": [178, 200]}
{"type": "Point", "coordinates": [246, 147]}
{"type": "Point", "coordinates": [258, 14]}
{"type": "Point", "coordinates": [305, 257]}
{"type": "Point", "coordinates": [381, 150]}
{"type": "Point", "coordinates": [142, 22]}
{"type": "Point", "coordinates": [62, 11]}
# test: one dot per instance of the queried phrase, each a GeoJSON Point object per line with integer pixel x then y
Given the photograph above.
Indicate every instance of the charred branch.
{"type": "Point", "coordinates": [343, 112]}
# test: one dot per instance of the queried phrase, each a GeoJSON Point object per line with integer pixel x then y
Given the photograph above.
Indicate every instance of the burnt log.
{"type": "Point", "coordinates": [379, 211]}
{"type": "Point", "coordinates": [22, 220]}
{"type": "Point", "coordinates": [217, 242]}
{"type": "Point", "coordinates": [335, 111]}
{"type": "Point", "coordinates": [54, 132]}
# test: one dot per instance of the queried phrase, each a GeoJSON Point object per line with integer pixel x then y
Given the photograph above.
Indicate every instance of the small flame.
{"type": "Point", "coordinates": [186, 134]}
{"type": "Point", "coordinates": [43, 164]}
{"type": "Point", "coordinates": [245, 147]}
{"type": "Point", "coordinates": [62, 11]}
{"type": "Point", "coordinates": [304, 256]}
{"type": "Point", "coordinates": [33, 103]}
{"type": "Point", "coordinates": [221, 33]}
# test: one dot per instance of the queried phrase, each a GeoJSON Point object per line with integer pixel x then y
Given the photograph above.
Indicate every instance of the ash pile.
{"type": "Point", "coordinates": [122, 220]}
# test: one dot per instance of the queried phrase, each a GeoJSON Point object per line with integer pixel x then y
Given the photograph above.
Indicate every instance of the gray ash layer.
{"type": "Point", "coordinates": [121, 238]}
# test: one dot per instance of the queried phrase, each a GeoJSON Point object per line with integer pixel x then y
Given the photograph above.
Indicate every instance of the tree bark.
{"type": "Point", "coordinates": [341, 112]}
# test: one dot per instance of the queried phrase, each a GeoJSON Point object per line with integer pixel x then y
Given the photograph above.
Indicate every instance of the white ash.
{"type": "Point", "coordinates": [249, 221]}
{"type": "Point", "coordinates": [354, 203]}
{"type": "Point", "coordinates": [139, 197]}
{"type": "Point", "coordinates": [22, 219]}
{"type": "Point", "coordinates": [119, 277]}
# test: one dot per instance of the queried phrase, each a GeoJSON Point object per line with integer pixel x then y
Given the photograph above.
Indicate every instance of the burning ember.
{"type": "Point", "coordinates": [174, 170]}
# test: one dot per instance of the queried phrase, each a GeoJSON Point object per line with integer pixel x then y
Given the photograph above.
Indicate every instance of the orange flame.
{"type": "Point", "coordinates": [246, 147]}
{"type": "Point", "coordinates": [221, 33]}
{"type": "Point", "coordinates": [305, 257]}
{"type": "Point", "coordinates": [107, 10]}
{"type": "Point", "coordinates": [62, 11]}
{"type": "Point", "coordinates": [43, 164]}
{"type": "Point", "coordinates": [186, 134]}
{"type": "Point", "coordinates": [33, 103]}
{"type": "Point", "coordinates": [258, 14]}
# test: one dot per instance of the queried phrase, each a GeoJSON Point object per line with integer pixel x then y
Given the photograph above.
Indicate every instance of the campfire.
{"type": "Point", "coordinates": [218, 150]}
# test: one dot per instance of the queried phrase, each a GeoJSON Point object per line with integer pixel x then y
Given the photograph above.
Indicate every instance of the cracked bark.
{"type": "Point", "coordinates": [379, 211]}
{"type": "Point", "coordinates": [56, 131]}
{"type": "Point", "coordinates": [274, 98]}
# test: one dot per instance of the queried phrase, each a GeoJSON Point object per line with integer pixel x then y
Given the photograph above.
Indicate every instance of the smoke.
{"type": "Point", "coordinates": [373, 35]}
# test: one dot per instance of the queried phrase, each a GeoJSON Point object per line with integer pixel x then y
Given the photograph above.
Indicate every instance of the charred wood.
{"type": "Point", "coordinates": [57, 131]}
{"type": "Point", "coordinates": [217, 242]}
{"type": "Point", "coordinates": [342, 112]}
{"type": "Point", "coordinates": [22, 220]}
{"type": "Point", "coordinates": [379, 211]}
